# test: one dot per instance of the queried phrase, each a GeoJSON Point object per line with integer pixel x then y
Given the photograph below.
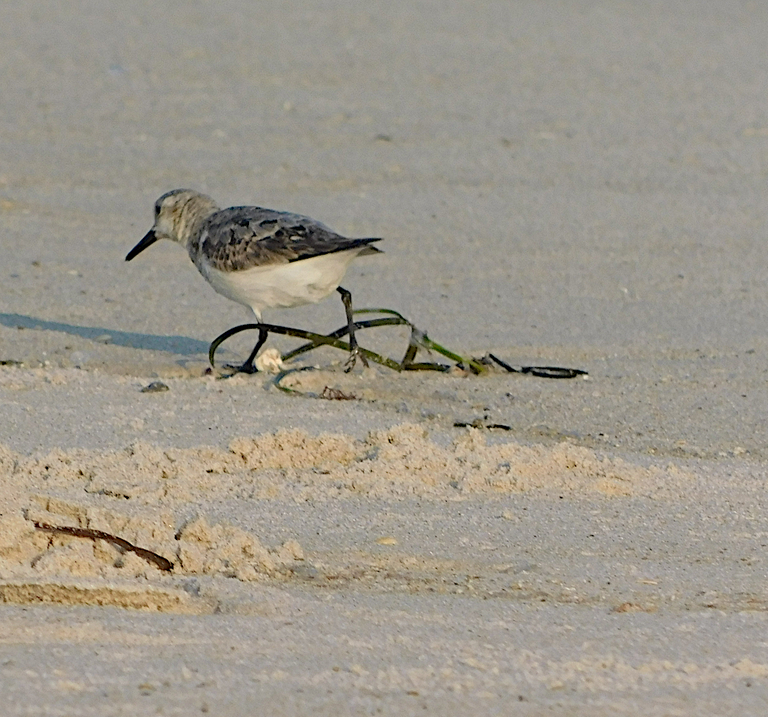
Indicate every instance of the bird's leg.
{"type": "Point", "coordinates": [354, 352]}
{"type": "Point", "coordinates": [248, 366]}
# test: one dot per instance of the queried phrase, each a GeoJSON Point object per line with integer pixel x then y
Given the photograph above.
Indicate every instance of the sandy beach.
{"type": "Point", "coordinates": [576, 184]}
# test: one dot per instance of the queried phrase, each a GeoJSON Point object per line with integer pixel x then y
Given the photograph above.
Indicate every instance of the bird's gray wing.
{"type": "Point", "coordinates": [243, 237]}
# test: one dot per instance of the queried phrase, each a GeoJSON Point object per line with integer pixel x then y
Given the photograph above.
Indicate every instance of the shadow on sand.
{"type": "Point", "coordinates": [172, 344]}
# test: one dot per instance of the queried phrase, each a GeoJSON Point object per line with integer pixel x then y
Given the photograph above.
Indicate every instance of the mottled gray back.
{"type": "Point", "coordinates": [242, 237]}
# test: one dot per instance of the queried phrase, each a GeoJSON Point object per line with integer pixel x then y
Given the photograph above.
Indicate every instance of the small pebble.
{"type": "Point", "coordinates": [155, 387]}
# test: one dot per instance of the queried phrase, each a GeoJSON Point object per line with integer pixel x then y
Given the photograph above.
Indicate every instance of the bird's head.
{"type": "Point", "coordinates": [178, 216]}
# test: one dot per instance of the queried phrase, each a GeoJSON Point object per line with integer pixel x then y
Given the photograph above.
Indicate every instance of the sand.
{"type": "Point", "coordinates": [573, 184]}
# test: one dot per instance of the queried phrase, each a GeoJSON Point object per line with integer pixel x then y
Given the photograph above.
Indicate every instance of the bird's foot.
{"type": "Point", "coordinates": [355, 354]}
{"type": "Point", "coordinates": [246, 367]}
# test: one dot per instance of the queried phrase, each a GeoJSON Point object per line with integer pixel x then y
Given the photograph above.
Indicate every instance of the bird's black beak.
{"type": "Point", "coordinates": [149, 239]}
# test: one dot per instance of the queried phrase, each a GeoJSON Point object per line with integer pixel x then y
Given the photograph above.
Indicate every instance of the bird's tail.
{"type": "Point", "coordinates": [369, 248]}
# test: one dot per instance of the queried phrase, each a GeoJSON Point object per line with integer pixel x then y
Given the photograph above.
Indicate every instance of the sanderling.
{"type": "Point", "coordinates": [258, 257]}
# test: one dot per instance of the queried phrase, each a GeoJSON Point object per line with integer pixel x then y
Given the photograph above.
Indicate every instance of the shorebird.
{"type": "Point", "coordinates": [258, 257]}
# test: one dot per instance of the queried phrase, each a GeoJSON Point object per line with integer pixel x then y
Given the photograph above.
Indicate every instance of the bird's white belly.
{"type": "Point", "coordinates": [282, 285]}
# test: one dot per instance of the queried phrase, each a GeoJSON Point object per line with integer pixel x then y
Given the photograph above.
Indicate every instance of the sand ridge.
{"type": "Point", "coordinates": [148, 496]}
{"type": "Point", "coordinates": [401, 461]}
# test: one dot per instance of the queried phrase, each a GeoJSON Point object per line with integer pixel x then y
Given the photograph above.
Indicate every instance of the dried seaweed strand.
{"type": "Point", "coordinates": [417, 340]}
{"type": "Point", "coordinates": [157, 560]}
{"type": "Point", "coordinates": [315, 339]}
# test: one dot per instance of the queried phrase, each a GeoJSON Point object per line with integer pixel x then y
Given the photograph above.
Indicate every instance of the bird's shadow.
{"type": "Point", "coordinates": [182, 345]}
